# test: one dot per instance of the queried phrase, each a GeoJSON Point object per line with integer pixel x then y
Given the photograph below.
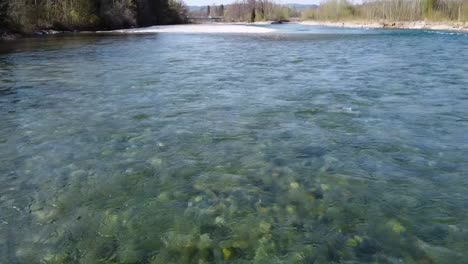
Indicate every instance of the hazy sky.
{"type": "Point", "coordinates": [209, 2]}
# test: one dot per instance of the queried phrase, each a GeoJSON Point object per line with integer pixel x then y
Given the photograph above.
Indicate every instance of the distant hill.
{"type": "Point", "coordinates": [195, 8]}
{"type": "Point", "coordinates": [301, 7]}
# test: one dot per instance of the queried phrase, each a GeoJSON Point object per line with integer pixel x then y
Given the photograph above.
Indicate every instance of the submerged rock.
{"type": "Point", "coordinates": [440, 254]}
{"type": "Point", "coordinates": [8, 36]}
{"type": "Point", "coordinates": [294, 185]}
{"type": "Point", "coordinates": [219, 220]}
{"type": "Point", "coordinates": [354, 241]}
{"type": "Point", "coordinates": [310, 152]}
{"type": "Point", "coordinates": [227, 253]}
{"type": "Point", "coordinates": [264, 227]}
{"type": "Point", "coordinates": [367, 247]}
{"type": "Point", "coordinates": [396, 226]}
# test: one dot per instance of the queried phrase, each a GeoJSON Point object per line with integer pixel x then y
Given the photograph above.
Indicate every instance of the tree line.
{"type": "Point", "coordinates": [394, 10]}
{"type": "Point", "coordinates": [257, 10]}
{"type": "Point", "coordinates": [31, 15]}
{"type": "Point", "coordinates": [210, 10]}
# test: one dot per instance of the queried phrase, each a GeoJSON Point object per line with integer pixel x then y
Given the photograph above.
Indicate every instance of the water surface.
{"type": "Point", "coordinates": [309, 145]}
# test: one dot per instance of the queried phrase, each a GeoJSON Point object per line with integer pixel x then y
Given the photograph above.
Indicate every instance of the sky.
{"type": "Point", "coordinates": [217, 2]}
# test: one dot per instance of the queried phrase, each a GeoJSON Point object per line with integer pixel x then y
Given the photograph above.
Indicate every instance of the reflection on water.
{"type": "Point", "coordinates": [348, 147]}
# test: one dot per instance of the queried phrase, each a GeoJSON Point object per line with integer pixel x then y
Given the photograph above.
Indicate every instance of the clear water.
{"type": "Point", "coordinates": [310, 145]}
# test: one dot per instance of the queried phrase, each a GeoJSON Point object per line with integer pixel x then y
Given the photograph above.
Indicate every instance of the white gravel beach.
{"type": "Point", "coordinates": [196, 28]}
{"type": "Point", "coordinates": [446, 26]}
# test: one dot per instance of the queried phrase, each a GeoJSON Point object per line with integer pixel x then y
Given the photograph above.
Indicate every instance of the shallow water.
{"type": "Point", "coordinates": [309, 145]}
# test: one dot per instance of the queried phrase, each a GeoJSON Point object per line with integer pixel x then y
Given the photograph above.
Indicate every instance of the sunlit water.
{"type": "Point", "coordinates": [309, 145]}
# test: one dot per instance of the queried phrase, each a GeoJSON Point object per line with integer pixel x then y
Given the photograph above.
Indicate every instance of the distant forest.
{"type": "Point", "coordinates": [392, 10]}
{"type": "Point", "coordinates": [258, 10]}
{"type": "Point", "coordinates": [247, 11]}
{"type": "Point", "coordinates": [30, 15]}
{"type": "Point", "coordinates": [340, 10]}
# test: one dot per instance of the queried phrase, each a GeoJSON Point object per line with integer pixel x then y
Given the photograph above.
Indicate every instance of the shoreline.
{"type": "Point", "coordinates": [195, 28]}
{"type": "Point", "coordinates": [439, 26]}
{"type": "Point", "coordinates": [249, 28]}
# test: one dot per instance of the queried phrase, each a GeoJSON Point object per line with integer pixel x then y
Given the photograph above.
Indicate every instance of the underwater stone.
{"type": "Point", "coordinates": [317, 194]}
{"type": "Point", "coordinates": [261, 254]}
{"type": "Point", "coordinates": [136, 138]}
{"type": "Point", "coordinates": [324, 187]}
{"type": "Point", "coordinates": [78, 173]}
{"type": "Point", "coordinates": [177, 241]}
{"type": "Point", "coordinates": [155, 161]}
{"type": "Point", "coordinates": [354, 241]}
{"type": "Point", "coordinates": [440, 254]}
{"type": "Point", "coordinates": [219, 220]}
{"type": "Point", "coordinates": [291, 209]}
{"type": "Point", "coordinates": [294, 185]}
{"type": "Point", "coordinates": [310, 151]}
{"type": "Point", "coordinates": [107, 152]}
{"type": "Point", "coordinates": [45, 215]}
{"type": "Point", "coordinates": [396, 226]}
{"type": "Point", "coordinates": [128, 254]}
{"type": "Point", "coordinates": [367, 247]}
{"type": "Point", "coordinates": [279, 162]}
{"type": "Point", "coordinates": [163, 197]}
{"type": "Point", "coordinates": [205, 241]}
{"type": "Point", "coordinates": [275, 174]}
{"type": "Point", "coordinates": [264, 227]}
{"type": "Point", "coordinates": [351, 242]}
{"type": "Point", "coordinates": [53, 258]}
{"type": "Point", "coordinates": [265, 250]}
{"type": "Point", "coordinates": [227, 253]}
{"type": "Point", "coordinates": [240, 244]}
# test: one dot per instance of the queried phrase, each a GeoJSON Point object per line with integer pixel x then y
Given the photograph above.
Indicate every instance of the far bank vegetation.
{"type": "Point", "coordinates": [257, 10]}
{"type": "Point", "coordinates": [391, 10]}
{"type": "Point", "coordinates": [31, 15]}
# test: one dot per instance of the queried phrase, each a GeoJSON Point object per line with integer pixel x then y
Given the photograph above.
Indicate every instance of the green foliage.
{"type": "Point", "coordinates": [177, 12]}
{"type": "Point", "coordinates": [119, 14]}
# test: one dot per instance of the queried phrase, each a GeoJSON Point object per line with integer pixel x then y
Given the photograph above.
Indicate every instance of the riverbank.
{"type": "Point", "coordinates": [252, 29]}
{"type": "Point", "coordinates": [186, 29]}
{"type": "Point", "coordinates": [8, 35]}
{"type": "Point", "coordinates": [5, 35]}
{"type": "Point", "coordinates": [445, 26]}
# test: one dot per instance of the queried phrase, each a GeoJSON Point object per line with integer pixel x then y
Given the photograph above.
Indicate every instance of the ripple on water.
{"type": "Point", "coordinates": [307, 145]}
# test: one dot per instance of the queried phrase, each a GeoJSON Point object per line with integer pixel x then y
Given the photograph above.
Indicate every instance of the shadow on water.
{"type": "Point", "coordinates": [6, 77]}
{"type": "Point", "coordinates": [62, 41]}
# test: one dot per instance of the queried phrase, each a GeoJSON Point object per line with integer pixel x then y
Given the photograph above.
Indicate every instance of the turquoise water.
{"type": "Point", "coordinates": [308, 145]}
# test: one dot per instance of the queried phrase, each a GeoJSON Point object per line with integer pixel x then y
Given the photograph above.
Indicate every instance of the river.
{"type": "Point", "coordinates": [305, 145]}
